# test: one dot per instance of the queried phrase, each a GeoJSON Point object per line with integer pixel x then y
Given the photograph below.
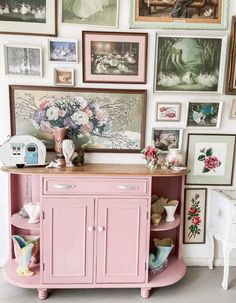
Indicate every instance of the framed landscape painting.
{"type": "Point", "coordinates": [168, 112]}
{"type": "Point", "coordinates": [202, 114]}
{"type": "Point", "coordinates": [90, 12]}
{"type": "Point", "coordinates": [195, 215]}
{"type": "Point", "coordinates": [167, 138]}
{"type": "Point", "coordinates": [210, 158]}
{"type": "Point", "coordinates": [189, 64]}
{"type": "Point", "coordinates": [106, 120]}
{"type": "Point", "coordinates": [191, 14]}
{"type": "Point", "coordinates": [114, 57]}
{"type": "Point", "coordinates": [23, 60]}
{"type": "Point", "coordinates": [34, 17]}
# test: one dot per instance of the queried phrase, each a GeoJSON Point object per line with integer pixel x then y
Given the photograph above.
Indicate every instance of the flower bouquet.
{"type": "Point", "coordinates": [150, 154]}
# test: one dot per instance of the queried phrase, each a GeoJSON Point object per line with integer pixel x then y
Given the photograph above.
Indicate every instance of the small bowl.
{"type": "Point", "coordinates": [156, 219]}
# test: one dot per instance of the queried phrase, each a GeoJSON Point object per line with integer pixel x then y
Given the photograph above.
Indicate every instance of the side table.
{"type": "Point", "coordinates": [222, 227]}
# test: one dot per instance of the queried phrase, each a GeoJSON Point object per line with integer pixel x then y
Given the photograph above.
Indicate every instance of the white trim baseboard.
{"type": "Point", "coordinates": [204, 261]}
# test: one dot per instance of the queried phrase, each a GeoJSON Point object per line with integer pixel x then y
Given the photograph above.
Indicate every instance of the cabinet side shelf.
{"type": "Point", "coordinates": [166, 225]}
{"type": "Point", "coordinates": [20, 222]}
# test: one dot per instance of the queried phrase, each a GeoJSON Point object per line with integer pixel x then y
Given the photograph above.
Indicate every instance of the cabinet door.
{"type": "Point", "coordinates": [68, 240]}
{"type": "Point", "coordinates": [121, 240]}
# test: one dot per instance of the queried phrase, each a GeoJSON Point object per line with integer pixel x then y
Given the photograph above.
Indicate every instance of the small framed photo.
{"type": "Point", "coordinates": [60, 50]}
{"type": "Point", "coordinates": [202, 114]}
{"type": "Point", "coordinates": [167, 138]}
{"type": "Point", "coordinates": [195, 215]}
{"type": "Point", "coordinates": [232, 114]}
{"type": "Point", "coordinates": [114, 57]}
{"type": "Point", "coordinates": [23, 60]}
{"type": "Point", "coordinates": [210, 159]}
{"type": "Point", "coordinates": [231, 67]}
{"type": "Point", "coordinates": [64, 76]}
{"type": "Point", "coordinates": [168, 111]}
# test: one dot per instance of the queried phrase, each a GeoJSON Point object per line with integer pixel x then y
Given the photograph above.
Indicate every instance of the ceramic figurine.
{"type": "Point", "coordinates": [33, 210]}
{"type": "Point", "coordinates": [158, 206]}
{"type": "Point", "coordinates": [23, 253]}
{"type": "Point", "coordinates": [156, 219]}
{"type": "Point", "coordinates": [170, 209]}
{"type": "Point", "coordinates": [68, 149]}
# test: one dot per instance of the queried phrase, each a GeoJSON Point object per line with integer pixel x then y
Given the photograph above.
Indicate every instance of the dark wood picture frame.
{"type": "Point", "coordinates": [29, 105]}
{"type": "Point", "coordinates": [230, 88]}
{"type": "Point", "coordinates": [129, 66]}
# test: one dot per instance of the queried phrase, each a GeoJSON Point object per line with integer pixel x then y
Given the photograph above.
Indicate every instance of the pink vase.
{"type": "Point", "coordinates": [59, 135]}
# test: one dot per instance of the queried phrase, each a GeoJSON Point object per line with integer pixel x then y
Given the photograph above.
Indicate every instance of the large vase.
{"type": "Point", "coordinates": [59, 135]}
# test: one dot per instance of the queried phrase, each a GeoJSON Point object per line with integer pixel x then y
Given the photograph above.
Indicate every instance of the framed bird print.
{"type": "Point", "coordinates": [202, 114]}
{"type": "Point", "coordinates": [114, 57]}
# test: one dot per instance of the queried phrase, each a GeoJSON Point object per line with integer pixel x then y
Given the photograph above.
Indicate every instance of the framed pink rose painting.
{"type": "Point", "coordinates": [210, 158]}
{"type": "Point", "coordinates": [195, 215]}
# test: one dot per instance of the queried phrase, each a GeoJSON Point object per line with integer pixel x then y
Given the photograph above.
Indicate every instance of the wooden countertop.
{"type": "Point", "coordinates": [97, 169]}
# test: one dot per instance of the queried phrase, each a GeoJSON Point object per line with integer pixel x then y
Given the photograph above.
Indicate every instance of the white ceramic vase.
{"type": "Point", "coordinates": [68, 149]}
{"type": "Point", "coordinates": [33, 211]}
{"type": "Point", "coordinates": [170, 209]}
{"type": "Point", "coordinates": [174, 158]}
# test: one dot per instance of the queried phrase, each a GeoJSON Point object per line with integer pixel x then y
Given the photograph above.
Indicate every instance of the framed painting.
{"type": "Point", "coordinates": [231, 68]}
{"type": "Point", "coordinates": [167, 138]}
{"type": "Point", "coordinates": [23, 60]}
{"type": "Point", "coordinates": [189, 64]}
{"type": "Point", "coordinates": [203, 114]}
{"type": "Point", "coordinates": [64, 76]}
{"type": "Point", "coordinates": [168, 112]}
{"type": "Point", "coordinates": [232, 114]}
{"type": "Point", "coordinates": [210, 158]}
{"type": "Point", "coordinates": [114, 57]}
{"type": "Point", "coordinates": [106, 120]}
{"type": "Point", "coordinates": [90, 13]}
{"type": "Point", "coordinates": [195, 215]}
{"type": "Point", "coordinates": [63, 50]}
{"type": "Point", "coordinates": [34, 17]}
{"type": "Point", "coordinates": [179, 14]}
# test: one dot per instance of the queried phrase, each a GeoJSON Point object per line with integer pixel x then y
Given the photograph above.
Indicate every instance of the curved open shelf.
{"type": "Point", "coordinates": [20, 222]}
{"type": "Point", "coordinates": [9, 272]}
{"type": "Point", "coordinates": [166, 225]}
{"type": "Point", "coordinates": [172, 274]}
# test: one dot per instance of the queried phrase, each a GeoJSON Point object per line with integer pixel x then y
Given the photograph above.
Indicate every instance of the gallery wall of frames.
{"type": "Point", "coordinates": [158, 70]}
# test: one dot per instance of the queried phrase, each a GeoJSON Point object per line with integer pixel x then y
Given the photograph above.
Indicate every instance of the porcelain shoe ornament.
{"type": "Point", "coordinates": [33, 211]}
{"type": "Point", "coordinates": [170, 209]}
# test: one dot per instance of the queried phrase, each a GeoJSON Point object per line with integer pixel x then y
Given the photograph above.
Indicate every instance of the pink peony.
{"type": "Point", "coordinates": [87, 128]}
{"type": "Point", "coordinates": [170, 115]}
{"type": "Point", "coordinates": [211, 162]}
{"type": "Point", "coordinates": [88, 112]}
{"type": "Point", "coordinates": [43, 105]}
{"type": "Point", "coordinates": [102, 115]}
{"type": "Point", "coordinates": [162, 109]}
{"type": "Point", "coordinates": [196, 220]}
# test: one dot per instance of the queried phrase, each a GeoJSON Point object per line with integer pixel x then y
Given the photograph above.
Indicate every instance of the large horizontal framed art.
{"type": "Point", "coordinates": [195, 215]}
{"type": "Point", "coordinates": [34, 17]}
{"type": "Point", "coordinates": [231, 68]}
{"type": "Point", "coordinates": [179, 14]}
{"type": "Point", "coordinates": [210, 158]}
{"type": "Point", "coordinates": [167, 138]}
{"type": "Point", "coordinates": [107, 120]}
{"type": "Point", "coordinates": [203, 114]}
{"type": "Point", "coordinates": [189, 64]}
{"type": "Point", "coordinates": [114, 57]}
{"type": "Point", "coordinates": [90, 13]}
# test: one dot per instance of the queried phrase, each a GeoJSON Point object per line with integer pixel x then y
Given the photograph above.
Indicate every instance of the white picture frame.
{"type": "Point", "coordinates": [168, 112]}
{"type": "Point", "coordinates": [23, 60]}
{"type": "Point", "coordinates": [165, 138]}
{"type": "Point", "coordinates": [63, 50]}
{"type": "Point", "coordinates": [63, 76]}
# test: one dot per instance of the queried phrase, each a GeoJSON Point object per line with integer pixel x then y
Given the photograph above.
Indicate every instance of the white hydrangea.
{"type": "Point", "coordinates": [83, 103]}
{"type": "Point", "coordinates": [52, 113]}
{"type": "Point", "coordinates": [80, 118]}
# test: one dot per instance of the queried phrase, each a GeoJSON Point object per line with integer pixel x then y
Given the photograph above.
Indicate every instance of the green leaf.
{"type": "Point", "coordinates": [209, 152]}
{"type": "Point", "coordinates": [201, 158]}
{"type": "Point", "coordinates": [205, 170]}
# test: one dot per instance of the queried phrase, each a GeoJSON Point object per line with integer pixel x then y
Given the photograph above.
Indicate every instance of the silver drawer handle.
{"type": "Point", "coordinates": [128, 187]}
{"type": "Point", "coordinates": [64, 186]}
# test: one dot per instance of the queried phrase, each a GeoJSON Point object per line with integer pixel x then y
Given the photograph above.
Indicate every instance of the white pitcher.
{"type": "Point", "coordinates": [33, 210]}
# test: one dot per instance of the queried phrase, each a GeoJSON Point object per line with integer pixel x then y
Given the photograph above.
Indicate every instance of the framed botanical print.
{"type": "Point", "coordinates": [168, 112]}
{"type": "Point", "coordinates": [210, 158]}
{"type": "Point", "coordinates": [167, 138]}
{"type": "Point", "coordinates": [197, 14]}
{"type": "Point", "coordinates": [203, 114]}
{"type": "Point", "coordinates": [231, 68]}
{"type": "Point", "coordinates": [114, 57]}
{"type": "Point", "coordinates": [34, 17]}
{"type": "Point", "coordinates": [105, 120]}
{"type": "Point", "coordinates": [195, 215]}
{"type": "Point", "coordinates": [189, 64]}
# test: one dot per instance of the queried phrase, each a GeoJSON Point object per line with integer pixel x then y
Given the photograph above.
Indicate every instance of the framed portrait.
{"type": "Point", "coordinates": [210, 158]}
{"type": "Point", "coordinates": [174, 14]}
{"type": "Point", "coordinates": [90, 13]}
{"type": "Point", "coordinates": [167, 138]}
{"type": "Point", "coordinates": [204, 114]}
{"type": "Point", "coordinates": [64, 76]}
{"type": "Point", "coordinates": [23, 60]}
{"type": "Point", "coordinates": [114, 57]}
{"type": "Point", "coordinates": [34, 17]}
{"type": "Point", "coordinates": [63, 50]}
{"type": "Point", "coordinates": [168, 112]}
{"type": "Point", "coordinates": [231, 68]}
{"type": "Point", "coordinates": [195, 215]}
{"type": "Point", "coordinates": [189, 64]}
{"type": "Point", "coordinates": [105, 120]}
{"type": "Point", "coordinates": [232, 114]}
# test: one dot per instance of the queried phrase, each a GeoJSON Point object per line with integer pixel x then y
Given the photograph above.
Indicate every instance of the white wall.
{"type": "Point", "coordinates": [194, 254]}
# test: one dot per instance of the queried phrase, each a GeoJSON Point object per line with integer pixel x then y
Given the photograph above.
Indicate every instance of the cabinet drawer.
{"type": "Point", "coordinates": [121, 186]}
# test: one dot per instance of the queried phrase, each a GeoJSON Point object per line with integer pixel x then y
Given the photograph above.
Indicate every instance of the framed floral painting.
{"type": "Point", "coordinates": [105, 120]}
{"type": "Point", "coordinates": [168, 112]}
{"type": "Point", "coordinates": [195, 215]}
{"type": "Point", "coordinates": [210, 158]}
{"type": "Point", "coordinates": [114, 57]}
